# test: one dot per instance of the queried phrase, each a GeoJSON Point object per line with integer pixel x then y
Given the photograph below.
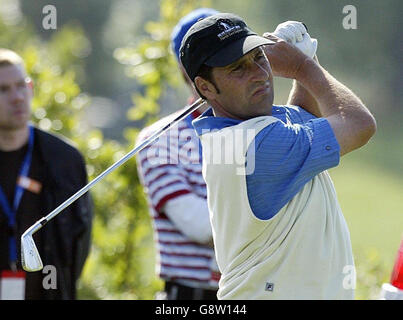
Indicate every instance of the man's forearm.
{"type": "Point", "coordinates": [332, 97]}
{"type": "Point", "coordinates": [352, 122]}
{"type": "Point", "coordinates": [190, 215]}
{"type": "Point", "coordinates": [299, 96]}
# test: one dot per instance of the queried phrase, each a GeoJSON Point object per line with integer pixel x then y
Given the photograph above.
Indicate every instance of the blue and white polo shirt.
{"type": "Point", "coordinates": [279, 231]}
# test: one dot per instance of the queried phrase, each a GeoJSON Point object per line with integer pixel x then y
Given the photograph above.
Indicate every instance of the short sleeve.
{"type": "Point", "coordinates": [298, 115]}
{"type": "Point", "coordinates": [286, 157]}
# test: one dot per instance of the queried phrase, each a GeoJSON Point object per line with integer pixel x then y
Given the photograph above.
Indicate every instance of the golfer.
{"type": "Point", "coordinates": [278, 229]}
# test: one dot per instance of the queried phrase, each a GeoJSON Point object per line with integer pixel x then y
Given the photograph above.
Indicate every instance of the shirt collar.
{"type": "Point", "coordinates": [208, 122]}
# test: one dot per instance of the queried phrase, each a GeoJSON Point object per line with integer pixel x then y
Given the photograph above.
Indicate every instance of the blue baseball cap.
{"type": "Point", "coordinates": [184, 25]}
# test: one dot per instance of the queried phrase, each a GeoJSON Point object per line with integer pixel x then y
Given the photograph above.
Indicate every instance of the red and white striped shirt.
{"type": "Point", "coordinates": [170, 168]}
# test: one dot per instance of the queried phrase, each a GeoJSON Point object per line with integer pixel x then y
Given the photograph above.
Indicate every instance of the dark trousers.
{"type": "Point", "coordinates": [177, 291]}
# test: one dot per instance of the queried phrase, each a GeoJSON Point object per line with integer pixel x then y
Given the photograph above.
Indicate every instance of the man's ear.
{"type": "Point", "coordinates": [30, 85]}
{"type": "Point", "coordinates": [205, 87]}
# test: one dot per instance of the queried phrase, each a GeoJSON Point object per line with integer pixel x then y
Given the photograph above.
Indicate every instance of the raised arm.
{"type": "Point", "coordinates": [296, 33]}
{"type": "Point", "coordinates": [299, 96]}
{"type": "Point", "coordinates": [351, 121]}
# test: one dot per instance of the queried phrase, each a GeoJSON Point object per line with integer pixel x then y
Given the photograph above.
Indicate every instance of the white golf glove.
{"type": "Point", "coordinates": [295, 33]}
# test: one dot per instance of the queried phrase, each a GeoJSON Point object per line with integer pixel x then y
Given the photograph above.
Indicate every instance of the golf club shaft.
{"type": "Point", "coordinates": [40, 223]}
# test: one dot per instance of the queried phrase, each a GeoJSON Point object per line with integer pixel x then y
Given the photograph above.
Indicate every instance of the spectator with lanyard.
{"type": "Point", "coordinates": [38, 171]}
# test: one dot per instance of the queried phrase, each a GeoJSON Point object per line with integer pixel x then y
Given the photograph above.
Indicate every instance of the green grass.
{"type": "Point", "coordinates": [370, 200]}
{"type": "Point", "coordinates": [369, 186]}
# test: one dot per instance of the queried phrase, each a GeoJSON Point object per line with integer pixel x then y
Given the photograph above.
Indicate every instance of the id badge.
{"type": "Point", "coordinates": [12, 285]}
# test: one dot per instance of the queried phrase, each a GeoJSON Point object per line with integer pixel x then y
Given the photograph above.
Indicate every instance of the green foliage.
{"type": "Point", "coordinates": [55, 87]}
{"type": "Point", "coordinates": [151, 62]}
{"type": "Point", "coordinates": [122, 248]}
{"type": "Point", "coordinates": [123, 243]}
{"type": "Point", "coordinates": [369, 197]}
{"type": "Point", "coordinates": [371, 274]}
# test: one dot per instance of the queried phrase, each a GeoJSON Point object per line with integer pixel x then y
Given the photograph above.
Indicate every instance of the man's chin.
{"type": "Point", "coordinates": [263, 108]}
{"type": "Point", "coordinates": [17, 124]}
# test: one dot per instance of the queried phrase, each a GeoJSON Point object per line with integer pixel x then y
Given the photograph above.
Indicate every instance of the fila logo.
{"type": "Point", "coordinates": [269, 287]}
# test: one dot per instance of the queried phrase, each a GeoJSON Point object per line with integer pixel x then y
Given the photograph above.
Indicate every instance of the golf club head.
{"type": "Point", "coordinates": [30, 258]}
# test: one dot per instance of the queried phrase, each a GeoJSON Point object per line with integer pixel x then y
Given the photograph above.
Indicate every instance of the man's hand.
{"type": "Point", "coordinates": [295, 33]}
{"type": "Point", "coordinates": [290, 31]}
{"type": "Point", "coordinates": [285, 59]}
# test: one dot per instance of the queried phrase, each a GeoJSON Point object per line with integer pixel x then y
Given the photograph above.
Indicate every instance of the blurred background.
{"type": "Point", "coordinates": [106, 71]}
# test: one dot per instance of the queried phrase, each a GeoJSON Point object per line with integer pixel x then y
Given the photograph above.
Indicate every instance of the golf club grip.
{"type": "Point", "coordinates": [40, 223]}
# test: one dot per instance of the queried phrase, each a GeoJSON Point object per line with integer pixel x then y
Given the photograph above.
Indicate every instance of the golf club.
{"type": "Point", "coordinates": [30, 258]}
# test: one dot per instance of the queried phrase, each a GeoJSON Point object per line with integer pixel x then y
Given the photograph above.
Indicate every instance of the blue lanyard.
{"type": "Point", "coordinates": [19, 191]}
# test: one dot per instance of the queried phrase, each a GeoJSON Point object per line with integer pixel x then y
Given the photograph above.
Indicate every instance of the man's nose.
{"type": "Point", "coordinates": [260, 72]}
